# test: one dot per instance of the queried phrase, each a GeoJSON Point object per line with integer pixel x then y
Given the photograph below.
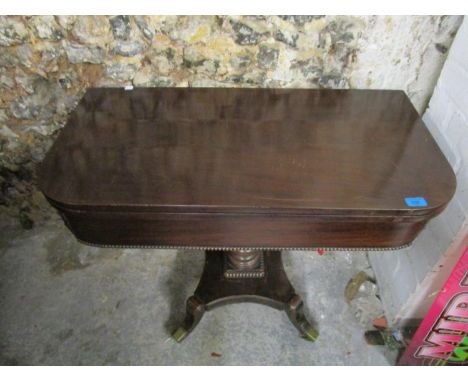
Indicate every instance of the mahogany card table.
{"type": "Point", "coordinates": [244, 174]}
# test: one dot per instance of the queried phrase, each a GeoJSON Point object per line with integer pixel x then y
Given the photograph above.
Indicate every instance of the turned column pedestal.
{"type": "Point", "coordinates": [244, 276]}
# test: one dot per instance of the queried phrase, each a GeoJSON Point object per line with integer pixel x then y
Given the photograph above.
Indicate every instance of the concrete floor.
{"type": "Point", "coordinates": [64, 303]}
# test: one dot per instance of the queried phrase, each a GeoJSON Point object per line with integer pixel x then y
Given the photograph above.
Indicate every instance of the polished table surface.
{"type": "Point", "coordinates": [249, 152]}
{"type": "Point", "coordinates": [250, 171]}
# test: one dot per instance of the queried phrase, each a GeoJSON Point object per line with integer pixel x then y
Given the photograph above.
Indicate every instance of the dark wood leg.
{"type": "Point", "coordinates": [297, 317]}
{"type": "Point", "coordinates": [194, 312]}
{"type": "Point", "coordinates": [244, 276]}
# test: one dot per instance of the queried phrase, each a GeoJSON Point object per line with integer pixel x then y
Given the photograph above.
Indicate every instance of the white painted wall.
{"type": "Point", "coordinates": [409, 279]}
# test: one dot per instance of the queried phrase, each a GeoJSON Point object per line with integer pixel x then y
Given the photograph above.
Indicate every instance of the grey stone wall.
{"type": "Point", "coordinates": [47, 62]}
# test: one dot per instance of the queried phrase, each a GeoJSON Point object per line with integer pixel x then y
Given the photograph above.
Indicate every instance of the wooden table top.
{"type": "Point", "coordinates": [247, 150]}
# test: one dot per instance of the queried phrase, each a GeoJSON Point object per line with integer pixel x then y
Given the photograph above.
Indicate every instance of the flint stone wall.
{"type": "Point", "coordinates": [47, 62]}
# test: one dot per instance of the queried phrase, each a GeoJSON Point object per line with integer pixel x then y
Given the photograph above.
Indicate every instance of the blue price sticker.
{"type": "Point", "coordinates": [416, 202]}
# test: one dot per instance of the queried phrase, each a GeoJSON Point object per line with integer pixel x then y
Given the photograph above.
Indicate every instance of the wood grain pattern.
{"type": "Point", "coordinates": [246, 167]}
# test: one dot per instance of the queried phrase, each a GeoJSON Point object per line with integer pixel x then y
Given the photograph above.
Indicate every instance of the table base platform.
{"type": "Point", "coordinates": [244, 276]}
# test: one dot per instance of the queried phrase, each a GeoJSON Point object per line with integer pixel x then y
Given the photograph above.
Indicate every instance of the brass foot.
{"type": "Point", "coordinates": [180, 334]}
{"type": "Point", "coordinates": [295, 313]}
{"type": "Point", "coordinates": [195, 310]}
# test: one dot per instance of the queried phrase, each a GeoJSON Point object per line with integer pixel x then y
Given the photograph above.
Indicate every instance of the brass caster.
{"type": "Point", "coordinates": [310, 334]}
{"type": "Point", "coordinates": [294, 309]}
{"type": "Point", "coordinates": [180, 334]}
